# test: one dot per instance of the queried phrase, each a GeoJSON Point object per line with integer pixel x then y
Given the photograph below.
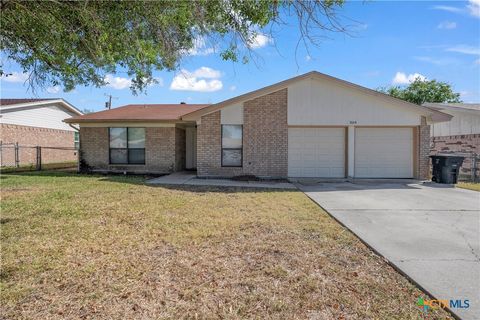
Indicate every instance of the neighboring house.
{"type": "Point", "coordinates": [461, 135]}
{"type": "Point", "coordinates": [312, 125]}
{"type": "Point", "coordinates": [36, 122]}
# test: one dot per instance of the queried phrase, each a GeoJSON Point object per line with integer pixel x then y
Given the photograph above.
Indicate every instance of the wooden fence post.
{"type": "Point", "coordinates": [474, 168]}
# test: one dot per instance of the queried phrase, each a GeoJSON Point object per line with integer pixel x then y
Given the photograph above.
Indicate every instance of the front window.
{"type": "Point", "coordinates": [232, 145]}
{"type": "Point", "coordinates": [127, 145]}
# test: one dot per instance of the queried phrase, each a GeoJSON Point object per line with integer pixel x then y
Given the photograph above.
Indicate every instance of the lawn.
{"type": "Point", "coordinates": [82, 246]}
{"type": "Point", "coordinates": [469, 185]}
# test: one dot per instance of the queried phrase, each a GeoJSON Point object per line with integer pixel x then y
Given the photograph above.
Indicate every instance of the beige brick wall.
{"type": "Point", "coordinates": [266, 135]}
{"type": "Point", "coordinates": [160, 150]}
{"type": "Point", "coordinates": [209, 149]}
{"type": "Point", "coordinates": [29, 137]}
{"type": "Point", "coordinates": [265, 140]}
{"type": "Point", "coordinates": [94, 147]}
{"type": "Point", "coordinates": [424, 151]}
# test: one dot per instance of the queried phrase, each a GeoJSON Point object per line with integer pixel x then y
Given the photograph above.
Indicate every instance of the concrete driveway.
{"type": "Point", "coordinates": [429, 231]}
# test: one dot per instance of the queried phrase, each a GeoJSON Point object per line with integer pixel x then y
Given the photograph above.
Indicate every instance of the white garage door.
{"type": "Point", "coordinates": [384, 152]}
{"type": "Point", "coordinates": [316, 152]}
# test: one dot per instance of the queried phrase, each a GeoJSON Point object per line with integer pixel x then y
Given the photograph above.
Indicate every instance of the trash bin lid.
{"type": "Point", "coordinates": [447, 155]}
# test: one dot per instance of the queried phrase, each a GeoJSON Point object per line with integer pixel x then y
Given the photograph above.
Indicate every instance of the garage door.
{"type": "Point", "coordinates": [316, 152]}
{"type": "Point", "coordinates": [383, 152]}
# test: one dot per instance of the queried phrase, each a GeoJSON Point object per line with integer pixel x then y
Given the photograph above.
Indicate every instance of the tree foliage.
{"type": "Point", "coordinates": [423, 91]}
{"type": "Point", "coordinates": [78, 42]}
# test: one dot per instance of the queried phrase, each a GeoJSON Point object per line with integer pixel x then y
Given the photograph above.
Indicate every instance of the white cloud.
{"type": "Point", "coordinates": [308, 58]}
{"type": "Point", "coordinates": [233, 88]}
{"type": "Point", "coordinates": [260, 40]}
{"type": "Point", "coordinates": [15, 77]}
{"type": "Point", "coordinates": [448, 8]}
{"type": "Point", "coordinates": [206, 72]}
{"type": "Point", "coordinates": [465, 49]}
{"type": "Point", "coordinates": [402, 78]}
{"type": "Point", "coordinates": [54, 89]}
{"type": "Point", "coordinates": [448, 25]}
{"type": "Point", "coordinates": [203, 79]}
{"type": "Point", "coordinates": [474, 7]}
{"type": "Point", "coordinates": [117, 83]}
{"type": "Point", "coordinates": [200, 48]}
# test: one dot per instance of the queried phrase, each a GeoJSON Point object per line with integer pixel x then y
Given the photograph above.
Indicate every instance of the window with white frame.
{"type": "Point", "coordinates": [232, 145]}
{"type": "Point", "coordinates": [76, 140]}
{"type": "Point", "coordinates": [127, 145]}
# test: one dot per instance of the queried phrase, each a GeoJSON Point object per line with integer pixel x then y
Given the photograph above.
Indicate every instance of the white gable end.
{"type": "Point", "coordinates": [325, 103]}
{"type": "Point", "coordinates": [50, 116]}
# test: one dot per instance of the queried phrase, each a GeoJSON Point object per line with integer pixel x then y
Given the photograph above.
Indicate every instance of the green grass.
{"type": "Point", "coordinates": [469, 185]}
{"type": "Point", "coordinates": [45, 166]}
{"type": "Point", "coordinates": [85, 246]}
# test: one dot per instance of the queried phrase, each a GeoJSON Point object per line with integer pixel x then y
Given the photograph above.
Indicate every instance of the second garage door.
{"type": "Point", "coordinates": [316, 152]}
{"type": "Point", "coordinates": [383, 152]}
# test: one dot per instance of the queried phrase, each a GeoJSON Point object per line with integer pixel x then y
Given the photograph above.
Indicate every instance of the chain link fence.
{"type": "Point", "coordinates": [15, 157]}
{"type": "Point", "coordinates": [470, 169]}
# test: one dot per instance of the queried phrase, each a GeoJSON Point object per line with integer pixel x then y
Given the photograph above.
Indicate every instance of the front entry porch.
{"type": "Point", "coordinates": [190, 178]}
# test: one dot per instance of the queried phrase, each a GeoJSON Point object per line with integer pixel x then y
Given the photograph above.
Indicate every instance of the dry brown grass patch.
{"type": "Point", "coordinates": [95, 247]}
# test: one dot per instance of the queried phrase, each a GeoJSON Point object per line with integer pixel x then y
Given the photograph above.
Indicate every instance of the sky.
{"type": "Point", "coordinates": [393, 42]}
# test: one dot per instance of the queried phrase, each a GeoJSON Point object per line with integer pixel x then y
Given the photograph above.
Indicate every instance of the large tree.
{"type": "Point", "coordinates": [422, 91]}
{"type": "Point", "coordinates": [78, 42]}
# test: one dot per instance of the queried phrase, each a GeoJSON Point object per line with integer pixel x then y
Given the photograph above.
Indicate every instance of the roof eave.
{"type": "Point", "coordinates": [79, 121]}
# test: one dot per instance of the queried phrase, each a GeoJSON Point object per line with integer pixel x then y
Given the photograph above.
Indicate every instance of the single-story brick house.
{"type": "Point", "coordinates": [311, 125]}
{"type": "Point", "coordinates": [29, 123]}
{"type": "Point", "coordinates": [460, 135]}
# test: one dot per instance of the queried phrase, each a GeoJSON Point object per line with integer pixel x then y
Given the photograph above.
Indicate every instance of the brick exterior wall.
{"type": "Point", "coordinates": [266, 131]}
{"type": "Point", "coordinates": [424, 150]}
{"type": "Point", "coordinates": [265, 140]}
{"type": "Point", "coordinates": [209, 149]}
{"type": "Point", "coordinates": [94, 146]}
{"type": "Point", "coordinates": [161, 150]}
{"type": "Point", "coordinates": [29, 137]}
{"type": "Point", "coordinates": [467, 145]}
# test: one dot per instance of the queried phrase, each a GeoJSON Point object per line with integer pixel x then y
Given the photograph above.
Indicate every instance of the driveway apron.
{"type": "Point", "coordinates": [428, 231]}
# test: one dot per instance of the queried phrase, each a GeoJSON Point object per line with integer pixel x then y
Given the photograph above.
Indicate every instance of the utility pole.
{"type": "Point", "coordinates": [108, 104]}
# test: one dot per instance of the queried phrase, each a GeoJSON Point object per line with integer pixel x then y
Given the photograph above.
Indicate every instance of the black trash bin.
{"type": "Point", "coordinates": [445, 168]}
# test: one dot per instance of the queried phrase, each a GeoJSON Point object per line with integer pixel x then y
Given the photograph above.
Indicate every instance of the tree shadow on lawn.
{"type": "Point", "coordinates": [140, 180]}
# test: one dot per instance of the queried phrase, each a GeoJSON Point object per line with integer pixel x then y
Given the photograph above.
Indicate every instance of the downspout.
{"type": "Point", "coordinates": [76, 129]}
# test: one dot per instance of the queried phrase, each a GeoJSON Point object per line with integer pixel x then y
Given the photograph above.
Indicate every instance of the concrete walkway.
{"type": "Point", "coordinates": [189, 178]}
{"type": "Point", "coordinates": [430, 232]}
